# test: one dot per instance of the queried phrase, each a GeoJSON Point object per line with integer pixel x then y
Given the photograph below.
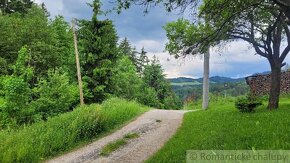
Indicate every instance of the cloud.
{"type": "Point", "coordinates": [151, 45]}
{"type": "Point", "coordinates": [235, 59]}
{"type": "Point", "coordinates": [136, 26]}
{"type": "Point", "coordinates": [131, 23]}
{"type": "Point", "coordinates": [68, 8]}
{"type": "Point", "coordinates": [38, 1]}
{"type": "Point", "coordinates": [238, 51]}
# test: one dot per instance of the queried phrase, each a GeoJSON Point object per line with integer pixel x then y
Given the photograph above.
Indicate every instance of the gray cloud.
{"type": "Point", "coordinates": [131, 23]}
{"type": "Point", "coordinates": [146, 30]}
{"type": "Point", "coordinates": [136, 25]}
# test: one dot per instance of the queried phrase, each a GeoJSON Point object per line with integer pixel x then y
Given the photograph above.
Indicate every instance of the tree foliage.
{"type": "Point", "coordinates": [22, 66]}
{"type": "Point", "coordinates": [49, 42]}
{"type": "Point", "coordinates": [17, 95]}
{"type": "Point", "coordinates": [31, 46]}
{"type": "Point", "coordinates": [142, 61]}
{"type": "Point", "coordinates": [12, 6]}
{"type": "Point", "coordinates": [192, 5]}
{"type": "Point", "coordinates": [154, 77]}
{"type": "Point", "coordinates": [98, 40]}
{"type": "Point", "coordinates": [126, 82]}
{"type": "Point", "coordinates": [139, 59]}
{"type": "Point", "coordinates": [143, 81]}
{"type": "Point", "coordinates": [126, 49]}
{"type": "Point", "coordinates": [54, 95]}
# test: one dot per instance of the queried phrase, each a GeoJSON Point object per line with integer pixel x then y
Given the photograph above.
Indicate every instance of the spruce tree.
{"type": "Point", "coordinates": [98, 53]}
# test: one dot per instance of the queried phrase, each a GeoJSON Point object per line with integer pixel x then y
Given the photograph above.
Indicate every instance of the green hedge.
{"type": "Point", "coordinates": [45, 139]}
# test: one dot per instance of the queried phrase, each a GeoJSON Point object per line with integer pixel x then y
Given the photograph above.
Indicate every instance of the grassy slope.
{"type": "Point", "coordinates": [64, 132]}
{"type": "Point", "coordinates": [224, 128]}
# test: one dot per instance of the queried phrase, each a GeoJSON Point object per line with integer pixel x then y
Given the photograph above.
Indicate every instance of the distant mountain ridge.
{"type": "Point", "coordinates": [181, 80]}
{"type": "Point", "coordinates": [214, 79]}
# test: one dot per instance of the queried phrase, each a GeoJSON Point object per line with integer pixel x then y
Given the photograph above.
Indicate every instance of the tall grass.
{"type": "Point", "coordinates": [45, 139]}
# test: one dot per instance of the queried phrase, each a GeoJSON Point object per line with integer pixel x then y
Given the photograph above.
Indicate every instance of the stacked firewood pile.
{"type": "Point", "coordinates": [260, 84]}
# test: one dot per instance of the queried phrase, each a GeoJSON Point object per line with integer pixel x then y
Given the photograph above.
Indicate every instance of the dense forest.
{"type": "Point", "coordinates": [38, 78]}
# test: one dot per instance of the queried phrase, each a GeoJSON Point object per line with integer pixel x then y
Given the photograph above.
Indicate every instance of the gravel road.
{"type": "Point", "coordinates": [155, 127]}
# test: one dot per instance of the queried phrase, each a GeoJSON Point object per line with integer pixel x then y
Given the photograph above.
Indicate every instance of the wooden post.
{"type": "Point", "coordinates": [78, 64]}
{"type": "Point", "coordinates": [205, 95]}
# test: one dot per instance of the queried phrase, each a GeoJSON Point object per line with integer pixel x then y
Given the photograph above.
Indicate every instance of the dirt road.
{"type": "Point", "coordinates": [155, 127]}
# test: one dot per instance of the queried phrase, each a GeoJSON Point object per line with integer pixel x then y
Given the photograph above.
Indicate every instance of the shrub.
{"type": "Point", "coordinates": [15, 102]}
{"type": "Point", "coordinates": [172, 102]}
{"type": "Point", "coordinates": [247, 104]}
{"type": "Point", "coordinates": [148, 96]}
{"type": "Point", "coordinates": [55, 95]}
{"type": "Point", "coordinates": [61, 133]}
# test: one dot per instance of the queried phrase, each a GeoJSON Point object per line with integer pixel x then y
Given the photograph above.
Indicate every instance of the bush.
{"type": "Point", "coordinates": [15, 102]}
{"type": "Point", "coordinates": [61, 133]}
{"type": "Point", "coordinates": [247, 104]}
{"type": "Point", "coordinates": [148, 96]}
{"type": "Point", "coordinates": [55, 95]}
{"type": "Point", "coordinates": [172, 102]}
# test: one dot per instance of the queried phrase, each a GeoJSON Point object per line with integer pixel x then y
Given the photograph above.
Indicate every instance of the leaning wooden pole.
{"type": "Point", "coordinates": [205, 95]}
{"type": "Point", "coordinates": [78, 64]}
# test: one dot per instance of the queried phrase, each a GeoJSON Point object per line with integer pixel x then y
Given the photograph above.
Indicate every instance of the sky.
{"type": "Point", "coordinates": [236, 59]}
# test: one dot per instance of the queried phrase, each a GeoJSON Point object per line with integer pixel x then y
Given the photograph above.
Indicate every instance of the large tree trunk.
{"type": "Point", "coordinates": [275, 87]}
{"type": "Point", "coordinates": [205, 95]}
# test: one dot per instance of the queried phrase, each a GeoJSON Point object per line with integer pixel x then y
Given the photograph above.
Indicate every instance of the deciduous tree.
{"type": "Point", "coordinates": [11, 6]}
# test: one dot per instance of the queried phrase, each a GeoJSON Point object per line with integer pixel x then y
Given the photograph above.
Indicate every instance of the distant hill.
{"type": "Point", "coordinates": [181, 80]}
{"type": "Point", "coordinates": [219, 79]}
{"type": "Point", "coordinates": [214, 79]}
{"type": "Point", "coordinates": [186, 87]}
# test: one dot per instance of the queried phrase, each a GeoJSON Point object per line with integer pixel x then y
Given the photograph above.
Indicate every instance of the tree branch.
{"type": "Point", "coordinates": [287, 49]}
{"type": "Point", "coordinates": [284, 53]}
{"type": "Point", "coordinates": [287, 31]}
{"type": "Point", "coordinates": [249, 39]}
{"type": "Point", "coordinates": [211, 37]}
{"type": "Point", "coordinates": [256, 47]}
